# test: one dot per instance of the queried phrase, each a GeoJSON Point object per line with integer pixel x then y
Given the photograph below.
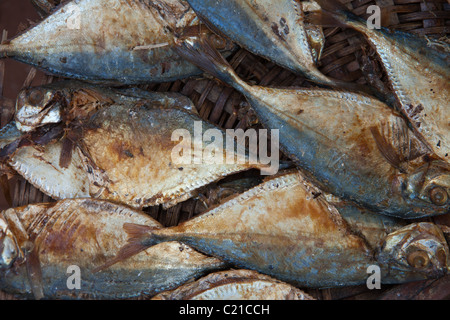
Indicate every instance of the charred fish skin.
{"type": "Point", "coordinates": [419, 75]}
{"type": "Point", "coordinates": [365, 153]}
{"type": "Point", "coordinates": [83, 233]}
{"type": "Point", "coordinates": [114, 42]}
{"type": "Point", "coordinates": [302, 240]}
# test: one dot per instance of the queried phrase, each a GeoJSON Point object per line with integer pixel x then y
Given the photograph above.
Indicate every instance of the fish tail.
{"type": "Point", "coordinates": [139, 239]}
{"type": "Point", "coordinates": [200, 52]}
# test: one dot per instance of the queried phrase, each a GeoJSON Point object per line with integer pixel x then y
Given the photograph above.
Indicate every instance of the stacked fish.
{"type": "Point", "coordinates": [365, 166]}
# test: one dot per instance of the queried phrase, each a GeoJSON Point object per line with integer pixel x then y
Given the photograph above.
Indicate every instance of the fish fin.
{"type": "Point", "coordinates": [138, 236]}
{"type": "Point", "coordinates": [386, 149]}
{"type": "Point", "coordinates": [199, 51]}
{"type": "Point", "coordinates": [34, 271]}
{"type": "Point", "coordinates": [66, 153]}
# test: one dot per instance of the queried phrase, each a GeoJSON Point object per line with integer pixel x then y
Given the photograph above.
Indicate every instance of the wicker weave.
{"type": "Point", "coordinates": [345, 57]}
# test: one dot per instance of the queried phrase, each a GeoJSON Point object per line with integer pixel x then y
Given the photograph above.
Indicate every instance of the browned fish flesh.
{"type": "Point", "coordinates": [235, 285]}
{"type": "Point", "coordinates": [419, 75]}
{"type": "Point", "coordinates": [42, 245]}
{"type": "Point", "coordinates": [123, 140]}
{"type": "Point", "coordinates": [301, 239]}
{"type": "Point", "coordinates": [111, 41]}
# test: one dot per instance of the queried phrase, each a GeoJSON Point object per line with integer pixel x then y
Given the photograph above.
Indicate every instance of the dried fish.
{"type": "Point", "coordinates": [235, 285]}
{"type": "Point", "coordinates": [300, 239]}
{"type": "Point", "coordinates": [275, 30]}
{"type": "Point", "coordinates": [113, 41]}
{"type": "Point", "coordinates": [365, 152]}
{"type": "Point", "coordinates": [419, 74]}
{"type": "Point", "coordinates": [124, 142]}
{"type": "Point", "coordinates": [54, 239]}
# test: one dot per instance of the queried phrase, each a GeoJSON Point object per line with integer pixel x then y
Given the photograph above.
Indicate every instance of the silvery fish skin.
{"type": "Point", "coordinates": [365, 153]}
{"type": "Point", "coordinates": [235, 285]}
{"type": "Point", "coordinates": [111, 41]}
{"type": "Point", "coordinates": [126, 148]}
{"type": "Point", "coordinates": [275, 30]}
{"type": "Point", "coordinates": [300, 239]}
{"type": "Point", "coordinates": [82, 234]}
{"type": "Point", "coordinates": [45, 7]}
{"type": "Point", "coordinates": [419, 75]}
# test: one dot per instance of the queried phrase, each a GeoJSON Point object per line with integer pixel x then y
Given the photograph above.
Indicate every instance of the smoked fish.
{"type": "Point", "coordinates": [352, 145]}
{"type": "Point", "coordinates": [301, 239]}
{"type": "Point", "coordinates": [418, 72]}
{"type": "Point", "coordinates": [111, 41]}
{"type": "Point", "coordinates": [275, 30]}
{"type": "Point", "coordinates": [122, 145]}
{"type": "Point", "coordinates": [43, 245]}
{"type": "Point", "coordinates": [235, 285]}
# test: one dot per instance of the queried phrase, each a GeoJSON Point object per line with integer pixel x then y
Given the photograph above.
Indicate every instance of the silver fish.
{"type": "Point", "coordinates": [365, 152]}
{"type": "Point", "coordinates": [235, 285]}
{"type": "Point", "coordinates": [275, 30]}
{"type": "Point", "coordinates": [42, 245]}
{"type": "Point", "coordinates": [419, 75]}
{"type": "Point", "coordinates": [301, 239]}
{"type": "Point", "coordinates": [112, 41]}
{"type": "Point", "coordinates": [123, 147]}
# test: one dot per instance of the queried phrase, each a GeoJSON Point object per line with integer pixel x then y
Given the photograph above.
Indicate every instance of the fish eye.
{"type": "Point", "coordinates": [418, 259]}
{"type": "Point", "coordinates": [438, 196]}
{"type": "Point", "coordinates": [35, 97]}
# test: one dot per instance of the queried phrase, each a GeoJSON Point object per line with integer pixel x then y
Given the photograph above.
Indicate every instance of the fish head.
{"type": "Point", "coordinates": [419, 248]}
{"type": "Point", "coordinates": [428, 189]}
{"type": "Point", "coordinates": [37, 106]}
{"type": "Point", "coordinates": [9, 249]}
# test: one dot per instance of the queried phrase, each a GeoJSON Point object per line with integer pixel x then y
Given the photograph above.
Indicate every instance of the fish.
{"type": "Point", "coordinates": [113, 42]}
{"type": "Point", "coordinates": [274, 30]}
{"type": "Point", "coordinates": [364, 153]}
{"type": "Point", "coordinates": [235, 285]}
{"type": "Point", "coordinates": [300, 239]}
{"type": "Point", "coordinates": [418, 73]}
{"type": "Point", "coordinates": [123, 145]}
{"type": "Point", "coordinates": [63, 239]}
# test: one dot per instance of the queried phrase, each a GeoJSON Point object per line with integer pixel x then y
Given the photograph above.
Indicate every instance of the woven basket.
{"type": "Point", "coordinates": [346, 56]}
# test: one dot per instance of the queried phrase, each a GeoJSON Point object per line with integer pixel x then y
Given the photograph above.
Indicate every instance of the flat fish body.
{"type": "Point", "coordinates": [300, 238]}
{"type": "Point", "coordinates": [108, 41]}
{"type": "Point", "coordinates": [419, 74]}
{"type": "Point", "coordinates": [365, 152]}
{"type": "Point", "coordinates": [40, 166]}
{"type": "Point", "coordinates": [128, 151]}
{"type": "Point", "coordinates": [275, 30]}
{"type": "Point", "coordinates": [81, 234]}
{"type": "Point", "coordinates": [422, 86]}
{"type": "Point", "coordinates": [235, 285]}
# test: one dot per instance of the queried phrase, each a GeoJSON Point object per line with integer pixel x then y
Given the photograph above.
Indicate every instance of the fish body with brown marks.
{"type": "Point", "coordinates": [364, 153]}
{"type": "Point", "coordinates": [419, 75]}
{"type": "Point", "coordinates": [112, 41]}
{"type": "Point", "coordinates": [124, 146]}
{"type": "Point", "coordinates": [235, 285]}
{"type": "Point", "coordinates": [300, 239]}
{"type": "Point", "coordinates": [85, 233]}
{"type": "Point", "coordinates": [275, 30]}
